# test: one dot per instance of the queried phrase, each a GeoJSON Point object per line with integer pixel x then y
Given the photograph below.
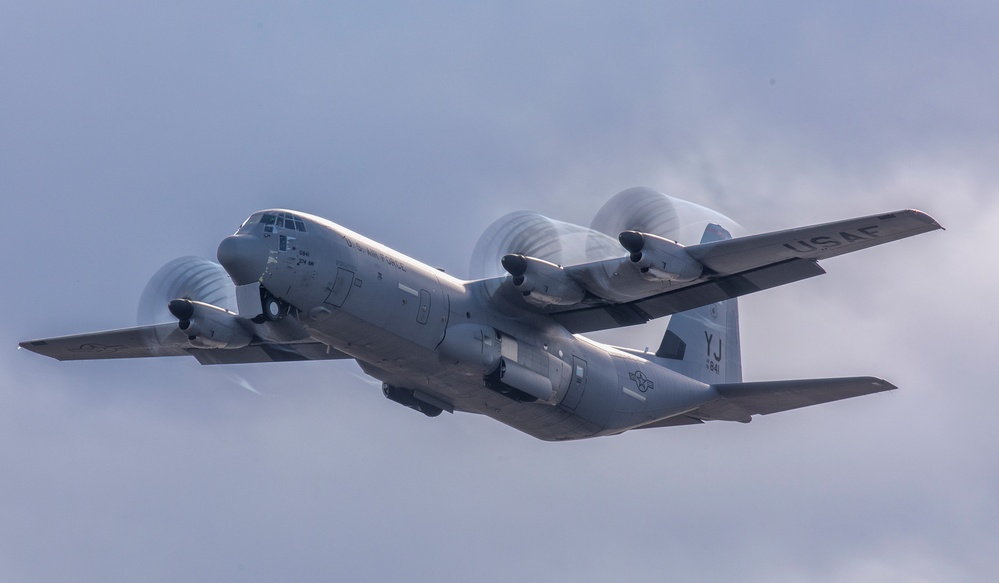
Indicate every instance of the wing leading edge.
{"type": "Point", "coordinates": [169, 340]}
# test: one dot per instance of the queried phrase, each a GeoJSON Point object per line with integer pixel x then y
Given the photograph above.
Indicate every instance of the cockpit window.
{"type": "Point", "coordinates": [291, 222]}
{"type": "Point", "coordinates": [250, 220]}
{"type": "Point", "coordinates": [282, 221]}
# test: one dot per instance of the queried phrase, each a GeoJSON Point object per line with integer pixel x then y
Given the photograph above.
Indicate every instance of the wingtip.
{"type": "Point", "coordinates": [926, 218]}
{"type": "Point", "coordinates": [882, 384]}
{"type": "Point", "coordinates": [31, 345]}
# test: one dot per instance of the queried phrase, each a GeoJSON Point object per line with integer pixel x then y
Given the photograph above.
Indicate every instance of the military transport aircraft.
{"type": "Point", "coordinates": [508, 346]}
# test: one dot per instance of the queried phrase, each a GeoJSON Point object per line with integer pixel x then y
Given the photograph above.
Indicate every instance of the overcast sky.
{"type": "Point", "coordinates": [131, 135]}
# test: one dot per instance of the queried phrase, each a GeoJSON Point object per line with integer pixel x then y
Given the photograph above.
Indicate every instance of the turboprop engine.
{"type": "Point", "coordinates": [209, 326]}
{"type": "Point", "coordinates": [542, 283]}
{"type": "Point", "coordinates": [660, 259]}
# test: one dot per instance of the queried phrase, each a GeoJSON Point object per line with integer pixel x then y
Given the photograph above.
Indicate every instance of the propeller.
{"type": "Point", "coordinates": [528, 233]}
{"type": "Point", "coordinates": [191, 278]}
{"type": "Point", "coordinates": [637, 209]}
{"type": "Point", "coordinates": [649, 211]}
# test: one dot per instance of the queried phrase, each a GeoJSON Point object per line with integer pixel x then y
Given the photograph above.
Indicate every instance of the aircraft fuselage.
{"type": "Point", "coordinates": [435, 343]}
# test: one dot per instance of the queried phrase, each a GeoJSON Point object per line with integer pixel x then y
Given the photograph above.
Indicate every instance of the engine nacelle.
{"type": "Point", "coordinates": [660, 259]}
{"type": "Point", "coordinates": [542, 283]}
{"type": "Point", "coordinates": [209, 326]}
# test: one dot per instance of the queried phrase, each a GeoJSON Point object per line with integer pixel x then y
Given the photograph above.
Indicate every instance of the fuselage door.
{"type": "Point", "coordinates": [577, 385]}
{"type": "Point", "coordinates": [424, 312]}
{"type": "Point", "coordinates": [341, 287]}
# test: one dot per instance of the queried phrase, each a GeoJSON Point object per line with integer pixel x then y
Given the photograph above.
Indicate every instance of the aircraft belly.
{"type": "Point", "coordinates": [470, 395]}
{"type": "Point", "coordinates": [622, 391]}
{"type": "Point", "coordinates": [400, 362]}
{"type": "Point", "coordinates": [371, 344]}
{"type": "Point", "coordinates": [544, 422]}
{"type": "Point", "coordinates": [539, 420]}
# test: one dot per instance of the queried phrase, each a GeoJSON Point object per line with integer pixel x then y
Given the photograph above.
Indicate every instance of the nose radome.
{"type": "Point", "coordinates": [244, 257]}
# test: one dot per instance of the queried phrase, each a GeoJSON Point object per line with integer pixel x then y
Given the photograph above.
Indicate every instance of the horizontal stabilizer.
{"type": "Point", "coordinates": [741, 400]}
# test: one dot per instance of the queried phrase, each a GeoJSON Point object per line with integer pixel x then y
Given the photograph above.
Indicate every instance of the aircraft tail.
{"type": "Point", "coordinates": [703, 343]}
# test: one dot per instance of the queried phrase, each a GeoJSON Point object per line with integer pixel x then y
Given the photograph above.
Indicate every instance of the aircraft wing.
{"type": "Point", "coordinates": [814, 243]}
{"type": "Point", "coordinates": [617, 295]}
{"type": "Point", "coordinates": [168, 340]}
{"type": "Point", "coordinates": [740, 401]}
{"type": "Point", "coordinates": [680, 298]}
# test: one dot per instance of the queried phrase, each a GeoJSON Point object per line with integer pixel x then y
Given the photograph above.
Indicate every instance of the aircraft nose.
{"type": "Point", "coordinates": [244, 257]}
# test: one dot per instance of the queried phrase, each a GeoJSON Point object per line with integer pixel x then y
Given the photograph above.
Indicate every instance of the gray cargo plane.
{"type": "Point", "coordinates": [508, 346]}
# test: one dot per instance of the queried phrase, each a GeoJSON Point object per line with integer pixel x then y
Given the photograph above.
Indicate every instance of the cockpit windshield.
{"type": "Point", "coordinates": [282, 221]}
{"type": "Point", "coordinates": [272, 221]}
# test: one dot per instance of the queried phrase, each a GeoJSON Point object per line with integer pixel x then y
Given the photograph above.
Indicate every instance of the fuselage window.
{"type": "Point", "coordinates": [268, 221]}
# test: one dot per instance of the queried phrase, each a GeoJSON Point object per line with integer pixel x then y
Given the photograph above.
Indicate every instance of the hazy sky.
{"type": "Point", "coordinates": [131, 135]}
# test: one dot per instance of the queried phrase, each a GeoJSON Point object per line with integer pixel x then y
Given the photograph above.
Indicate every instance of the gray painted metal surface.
{"type": "Point", "coordinates": [506, 346]}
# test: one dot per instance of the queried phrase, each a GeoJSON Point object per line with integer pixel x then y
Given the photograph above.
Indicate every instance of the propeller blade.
{"type": "Point", "coordinates": [649, 211]}
{"type": "Point", "coordinates": [191, 278]}
{"type": "Point", "coordinates": [534, 235]}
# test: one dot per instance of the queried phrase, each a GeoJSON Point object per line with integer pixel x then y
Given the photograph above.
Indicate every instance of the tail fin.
{"type": "Point", "coordinates": [703, 343]}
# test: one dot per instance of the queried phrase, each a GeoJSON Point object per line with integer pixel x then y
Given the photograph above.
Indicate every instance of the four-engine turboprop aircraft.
{"type": "Point", "coordinates": [510, 346]}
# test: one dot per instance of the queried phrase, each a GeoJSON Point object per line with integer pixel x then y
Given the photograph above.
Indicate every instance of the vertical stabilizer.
{"type": "Point", "coordinates": [703, 343]}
